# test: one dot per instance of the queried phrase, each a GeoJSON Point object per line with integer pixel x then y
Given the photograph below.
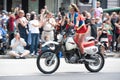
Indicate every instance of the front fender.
{"type": "Point", "coordinates": [49, 42]}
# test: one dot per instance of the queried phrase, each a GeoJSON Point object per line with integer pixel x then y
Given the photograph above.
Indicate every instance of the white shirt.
{"type": "Point", "coordinates": [32, 28]}
{"type": "Point", "coordinates": [98, 11]}
{"type": "Point", "coordinates": [48, 25]}
{"type": "Point", "coordinates": [19, 48]}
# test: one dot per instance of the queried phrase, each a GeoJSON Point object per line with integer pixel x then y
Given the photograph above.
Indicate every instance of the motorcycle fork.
{"type": "Point", "coordinates": [51, 61]}
{"type": "Point", "coordinates": [58, 48]}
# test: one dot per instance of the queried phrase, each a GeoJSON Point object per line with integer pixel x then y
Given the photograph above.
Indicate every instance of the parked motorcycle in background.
{"type": "Point", "coordinates": [49, 60]}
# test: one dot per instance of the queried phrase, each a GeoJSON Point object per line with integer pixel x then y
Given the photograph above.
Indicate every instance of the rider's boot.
{"type": "Point", "coordinates": [82, 59]}
{"type": "Point", "coordinates": [82, 56]}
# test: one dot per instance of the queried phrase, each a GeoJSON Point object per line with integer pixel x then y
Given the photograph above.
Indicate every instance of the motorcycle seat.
{"type": "Point", "coordinates": [88, 44]}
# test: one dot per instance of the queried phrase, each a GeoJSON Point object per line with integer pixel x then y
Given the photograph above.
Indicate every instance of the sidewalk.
{"type": "Point", "coordinates": [9, 57]}
{"type": "Point", "coordinates": [112, 54]}
{"type": "Point", "coordinates": [6, 56]}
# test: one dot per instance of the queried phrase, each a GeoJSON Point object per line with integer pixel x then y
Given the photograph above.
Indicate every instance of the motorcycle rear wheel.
{"type": "Point", "coordinates": [97, 65]}
{"type": "Point", "coordinates": [48, 62]}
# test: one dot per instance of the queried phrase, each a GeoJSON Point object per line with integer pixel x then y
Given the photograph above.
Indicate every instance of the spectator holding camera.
{"type": "Point", "coordinates": [17, 45]}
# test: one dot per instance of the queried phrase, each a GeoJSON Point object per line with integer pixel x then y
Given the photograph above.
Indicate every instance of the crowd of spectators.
{"type": "Point", "coordinates": [34, 27]}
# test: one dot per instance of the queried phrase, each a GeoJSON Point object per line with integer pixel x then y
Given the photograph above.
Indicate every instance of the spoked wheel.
{"type": "Point", "coordinates": [48, 62]}
{"type": "Point", "coordinates": [97, 65]}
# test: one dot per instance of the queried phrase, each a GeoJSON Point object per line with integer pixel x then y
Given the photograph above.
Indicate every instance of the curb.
{"type": "Point", "coordinates": [117, 55]}
{"type": "Point", "coordinates": [113, 54]}
{"type": "Point", "coordinates": [110, 54]}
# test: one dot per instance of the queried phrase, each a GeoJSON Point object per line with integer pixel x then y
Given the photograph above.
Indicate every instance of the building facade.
{"type": "Point", "coordinates": [53, 5]}
{"type": "Point", "coordinates": [113, 3]}
{"type": "Point", "coordinates": [26, 5]}
{"type": "Point", "coordinates": [36, 5]}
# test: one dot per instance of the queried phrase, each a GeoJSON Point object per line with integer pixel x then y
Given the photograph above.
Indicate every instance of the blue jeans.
{"type": "Point", "coordinates": [34, 42]}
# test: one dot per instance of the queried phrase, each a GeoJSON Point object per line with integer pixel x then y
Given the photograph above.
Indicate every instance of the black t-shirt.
{"type": "Point", "coordinates": [94, 30]}
{"type": "Point", "coordinates": [62, 10]}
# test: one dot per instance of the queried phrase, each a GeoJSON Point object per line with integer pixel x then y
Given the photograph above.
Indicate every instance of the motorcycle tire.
{"type": "Point", "coordinates": [47, 57]}
{"type": "Point", "coordinates": [99, 61]}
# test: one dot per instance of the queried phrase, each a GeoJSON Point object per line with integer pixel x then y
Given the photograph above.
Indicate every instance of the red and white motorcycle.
{"type": "Point", "coordinates": [49, 60]}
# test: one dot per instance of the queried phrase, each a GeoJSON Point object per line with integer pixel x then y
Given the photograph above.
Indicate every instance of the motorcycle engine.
{"type": "Point", "coordinates": [73, 59]}
{"type": "Point", "coordinates": [72, 56]}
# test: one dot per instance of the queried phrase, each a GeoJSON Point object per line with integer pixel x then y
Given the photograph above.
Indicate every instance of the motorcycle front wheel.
{"type": "Point", "coordinates": [48, 62]}
{"type": "Point", "coordinates": [97, 65]}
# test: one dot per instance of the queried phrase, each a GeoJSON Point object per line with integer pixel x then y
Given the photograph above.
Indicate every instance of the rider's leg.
{"type": "Point", "coordinates": [76, 38]}
{"type": "Point", "coordinates": [81, 47]}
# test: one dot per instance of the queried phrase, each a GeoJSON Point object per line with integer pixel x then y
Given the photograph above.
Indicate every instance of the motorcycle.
{"type": "Point", "coordinates": [3, 45]}
{"type": "Point", "coordinates": [48, 61]}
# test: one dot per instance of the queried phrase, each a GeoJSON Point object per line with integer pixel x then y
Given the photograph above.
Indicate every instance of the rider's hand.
{"type": "Point", "coordinates": [75, 28]}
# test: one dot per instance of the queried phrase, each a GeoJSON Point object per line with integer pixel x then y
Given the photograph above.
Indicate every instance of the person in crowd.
{"type": "Point", "coordinates": [119, 14]}
{"type": "Point", "coordinates": [62, 9]}
{"type": "Point", "coordinates": [42, 17]}
{"type": "Point", "coordinates": [117, 25]}
{"type": "Point", "coordinates": [11, 26]}
{"type": "Point", "coordinates": [57, 27]}
{"type": "Point", "coordinates": [98, 12]}
{"type": "Point", "coordinates": [99, 27]}
{"type": "Point", "coordinates": [4, 19]}
{"type": "Point", "coordinates": [48, 26]}
{"type": "Point", "coordinates": [85, 14]}
{"type": "Point", "coordinates": [16, 10]}
{"type": "Point", "coordinates": [103, 37]}
{"type": "Point", "coordinates": [46, 9]}
{"type": "Point", "coordinates": [28, 16]}
{"type": "Point", "coordinates": [47, 47]}
{"type": "Point", "coordinates": [3, 39]}
{"type": "Point", "coordinates": [98, 22]}
{"type": "Point", "coordinates": [114, 19]}
{"type": "Point", "coordinates": [3, 34]}
{"type": "Point", "coordinates": [34, 26]}
{"type": "Point", "coordinates": [17, 45]}
{"type": "Point", "coordinates": [22, 25]}
{"type": "Point", "coordinates": [28, 19]}
{"type": "Point", "coordinates": [87, 17]}
{"type": "Point", "coordinates": [108, 28]}
{"type": "Point", "coordinates": [93, 28]}
{"type": "Point", "coordinates": [28, 35]}
{"type": "Point", "coordinates": [32, 12]}
{"type": "Point", "coordinates": [58, 22]}
{"type": "Point", "coordinates": [107, 17]}
{"type": "Point", "coordinates": [3, 25]}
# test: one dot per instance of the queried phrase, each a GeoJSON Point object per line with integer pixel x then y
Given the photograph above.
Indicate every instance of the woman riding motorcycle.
{"type": "Point", "coordinates": [76, 20]}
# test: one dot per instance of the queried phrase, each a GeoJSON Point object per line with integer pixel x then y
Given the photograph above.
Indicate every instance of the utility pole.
{"type": "Point", "coordinates": [5, 3]}
{"type": "Point", "coordinates": [93, 6]}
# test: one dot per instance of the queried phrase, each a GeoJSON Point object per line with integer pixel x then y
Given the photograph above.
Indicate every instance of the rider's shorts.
{"type": "Point", "coordinates": [83, 29]}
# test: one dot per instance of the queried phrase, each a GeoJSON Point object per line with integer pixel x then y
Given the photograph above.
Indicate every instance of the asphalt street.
{"type": "Point", "coordinates": [26, 69]}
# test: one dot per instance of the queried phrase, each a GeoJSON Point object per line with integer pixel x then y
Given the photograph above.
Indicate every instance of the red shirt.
{"type": "Point", "coordinates": [81, 27]}
{"type": "Point", "coordinates": [11, 24]}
